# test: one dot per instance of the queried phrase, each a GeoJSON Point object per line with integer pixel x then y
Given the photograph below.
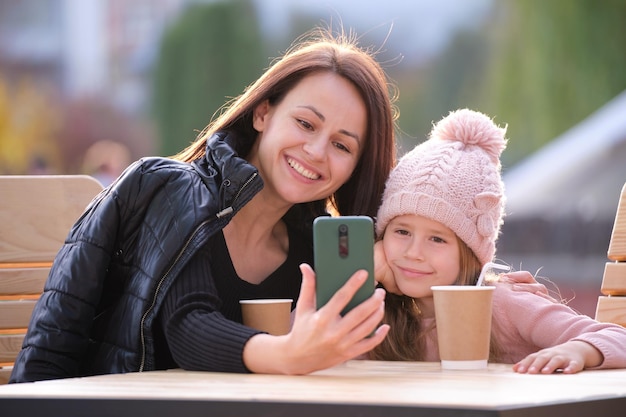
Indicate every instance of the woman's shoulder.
{"type": "Point", "coordinates": [156, 164]}
{"type": "Point", "coordinates": [151, 179]}
{"type": "Point", "coordinates": [154, 171]}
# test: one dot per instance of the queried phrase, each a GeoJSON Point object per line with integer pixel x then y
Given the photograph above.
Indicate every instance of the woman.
{"type": "Point", "coordinates": [151, 274]}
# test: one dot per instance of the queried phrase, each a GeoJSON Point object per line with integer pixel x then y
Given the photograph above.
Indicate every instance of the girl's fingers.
{"type": "Point", "coordinates": [520, 277]}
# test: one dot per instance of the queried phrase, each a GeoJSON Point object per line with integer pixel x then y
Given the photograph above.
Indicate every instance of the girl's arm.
{"type": "Point", "coordinates": [551, 336]}
{"type": "Point", "coordinates": [571, 357]}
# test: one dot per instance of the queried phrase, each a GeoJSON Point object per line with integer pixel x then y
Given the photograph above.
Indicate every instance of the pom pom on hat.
{"type": "Point", "coordinates": [453, 178]}
{"type": "Point", "coordinates": [472, 128]}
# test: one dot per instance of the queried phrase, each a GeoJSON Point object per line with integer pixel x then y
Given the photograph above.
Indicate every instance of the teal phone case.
{"type": "Point", "coordinates": [342, 246]}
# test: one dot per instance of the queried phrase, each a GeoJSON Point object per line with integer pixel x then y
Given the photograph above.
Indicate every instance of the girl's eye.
{"type": "Point", "coordinates": [437, 239]}
{"type": "Point", "coordinates": [402, 232]}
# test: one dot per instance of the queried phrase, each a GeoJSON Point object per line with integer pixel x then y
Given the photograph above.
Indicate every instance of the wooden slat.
{"type": "Point", "coordinates": [5, 374]}
{"type": "Point", "coordinates": [617, 245]}
{"type": "Point", "coordinates": [611, 309]}
{"type": "Point", "coordinates": [16, 265]}
{"type": "Point", "coordinates": [22, 281]}
{"type": "Point", "coordinates": [614, 279]}
{"type": "Point", "coordinates": [15, 313]}
{"type": "Point", "coordinates": [37, 212]}
{"type": "Point", "coordinates": [10, 345]}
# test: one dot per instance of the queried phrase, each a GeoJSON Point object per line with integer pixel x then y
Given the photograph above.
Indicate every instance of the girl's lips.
{"type": "Point", "coordinates": [410, 272]}
{"type": "Point", "coordinates": [302, 170]}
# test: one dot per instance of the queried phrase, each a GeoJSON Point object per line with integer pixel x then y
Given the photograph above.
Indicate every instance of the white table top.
{"type": "Point", "coordinates": [373, 386]}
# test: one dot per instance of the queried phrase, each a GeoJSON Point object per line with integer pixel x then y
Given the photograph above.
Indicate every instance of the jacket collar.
{"type": "Point", "coordinates": [238, 180]}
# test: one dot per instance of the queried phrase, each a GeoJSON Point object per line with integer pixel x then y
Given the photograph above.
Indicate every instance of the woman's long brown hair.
{"type": "Point", "coordinates": [318, 51]}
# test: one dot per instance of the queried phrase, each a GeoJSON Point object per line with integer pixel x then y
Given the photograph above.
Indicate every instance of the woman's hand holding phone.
{"type": "Point", "coordinates": [339, 312]}
{"type": "Point", "coordinates": [321, 338]}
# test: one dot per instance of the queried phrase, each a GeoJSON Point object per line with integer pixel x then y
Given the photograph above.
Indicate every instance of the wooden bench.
{"type": "Point", "coordinates": [612, 304]}
{"type": "Point", "coordinates": [36, 214]}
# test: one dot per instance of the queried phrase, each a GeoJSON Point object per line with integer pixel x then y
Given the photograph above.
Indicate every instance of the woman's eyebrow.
{"type": "Point", "coordinates": [314, 110]}
{"type": "Point", "coordinates": [323, 119]}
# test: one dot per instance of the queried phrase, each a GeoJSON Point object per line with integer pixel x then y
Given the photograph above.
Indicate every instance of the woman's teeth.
{"type": "Point", "coordinates": [302, 171]}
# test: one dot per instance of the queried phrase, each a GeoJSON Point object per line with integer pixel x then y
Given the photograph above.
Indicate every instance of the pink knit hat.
{"type": "Point", "coordinates": [453, 178]}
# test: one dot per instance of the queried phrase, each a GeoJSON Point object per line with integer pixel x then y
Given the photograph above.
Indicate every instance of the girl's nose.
{"type": "Point", "coordinates": [414, 250]}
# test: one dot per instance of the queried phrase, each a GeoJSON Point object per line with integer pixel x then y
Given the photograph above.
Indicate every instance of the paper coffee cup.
{"type": "Point", "coordinates": [463, 319]}
{"type": "Point", "coordinates": [268, 315]}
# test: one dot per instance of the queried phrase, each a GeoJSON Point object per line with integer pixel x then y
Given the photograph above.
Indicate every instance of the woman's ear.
{"type": "Point", "coordinates": [259, 115]}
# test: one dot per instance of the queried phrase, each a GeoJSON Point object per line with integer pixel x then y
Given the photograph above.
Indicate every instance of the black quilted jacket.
{"type": "Point", "coordinates": [111, 275]}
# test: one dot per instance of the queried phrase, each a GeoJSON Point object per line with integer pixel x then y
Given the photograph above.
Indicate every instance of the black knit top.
{"type": "Point", "coordinates": [199, 325]}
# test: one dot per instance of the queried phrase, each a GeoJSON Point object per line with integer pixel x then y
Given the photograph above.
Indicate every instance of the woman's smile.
{"type": "Point", "coordinates": [307, 173]}
{"type": "Point", "coordinates": [310, 141]}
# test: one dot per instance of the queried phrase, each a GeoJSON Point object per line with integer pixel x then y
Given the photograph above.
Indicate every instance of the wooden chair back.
{"type": "Point", "coordinates": [36, 214]}
{"type": "Point", "coordinates": [612, 303]}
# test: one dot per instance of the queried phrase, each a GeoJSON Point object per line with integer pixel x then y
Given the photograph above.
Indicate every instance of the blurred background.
{"type": "Point", "coordinates": [88, 86]}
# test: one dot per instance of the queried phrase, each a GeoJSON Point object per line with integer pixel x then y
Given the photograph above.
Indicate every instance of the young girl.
{"type": "Point", "coordinates": [151, 275]}
{"type": "Point", "coordinates": [439, 221]}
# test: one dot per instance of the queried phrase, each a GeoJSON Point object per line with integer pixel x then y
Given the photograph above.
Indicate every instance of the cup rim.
{"type": "Point", "coordinates": [266, 301]}
{"type": "Point", "coordinates": [464, 364]}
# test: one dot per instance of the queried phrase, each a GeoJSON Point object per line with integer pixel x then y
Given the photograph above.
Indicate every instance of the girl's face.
{"type": "Point", "coordinates": [310, 142]}
{"type": "Point", "coordinates": [421, 253]}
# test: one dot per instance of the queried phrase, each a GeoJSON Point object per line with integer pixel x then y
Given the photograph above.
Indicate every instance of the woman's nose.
{"type": "Point", "coordinates": [316, 147]}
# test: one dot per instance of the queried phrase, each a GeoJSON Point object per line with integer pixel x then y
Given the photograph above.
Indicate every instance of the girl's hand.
{"type": "Point", "coordinates": [382, 272]}
{"type": "Point", "coordinates": [571, 357]}
{"type": "Point", "coordinates": [321, 338]}
{"type": "Point", "coordinates": [525, 281]}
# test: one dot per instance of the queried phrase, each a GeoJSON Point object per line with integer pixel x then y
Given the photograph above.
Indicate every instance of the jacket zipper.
{"type": "Point", "coordinates": [243, 187]}
{"type": "Point", "coordinates": [219, 214]}
{"type": "Point", "coordinates": [143, 318]}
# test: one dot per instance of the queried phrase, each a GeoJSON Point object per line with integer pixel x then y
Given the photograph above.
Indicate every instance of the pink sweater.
{"type": "Point", "coordinates": [525, 323]}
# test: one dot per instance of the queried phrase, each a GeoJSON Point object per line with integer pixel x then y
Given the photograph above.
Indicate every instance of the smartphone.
{"type": "Point", "coordinates": [342, 245]}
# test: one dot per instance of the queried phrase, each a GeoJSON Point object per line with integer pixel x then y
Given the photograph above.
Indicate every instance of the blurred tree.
{"type": "Point", "coordinates": [554, 63]}
{"type": "Point", "coordinates": [428, 93]}
{"type": "Point", "coordinates": [207, 57]}
{"type": "Point", "coordinates": [28, 128]}
{"type": "Point", "coordinates": [539, 66]}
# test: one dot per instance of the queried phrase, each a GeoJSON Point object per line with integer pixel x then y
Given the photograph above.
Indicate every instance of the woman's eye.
{"type": "Point", "coordinates": [305, 124]}
{"type": "Point", "coordinates": [341, 147]}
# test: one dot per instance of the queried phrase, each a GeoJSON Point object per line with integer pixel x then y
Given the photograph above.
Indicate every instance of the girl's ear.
{"type": "Point", "coordinates": [260, 115]}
